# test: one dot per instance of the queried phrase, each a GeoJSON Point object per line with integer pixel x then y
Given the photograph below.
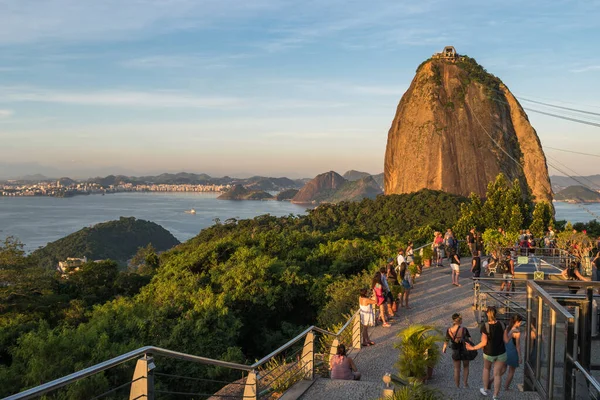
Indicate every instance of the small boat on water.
{"type": "Point", "coordinates": [192, 211]}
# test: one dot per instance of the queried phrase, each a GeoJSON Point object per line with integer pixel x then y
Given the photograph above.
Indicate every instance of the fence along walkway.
{"type": "Point", "coordinates": [433, 300]}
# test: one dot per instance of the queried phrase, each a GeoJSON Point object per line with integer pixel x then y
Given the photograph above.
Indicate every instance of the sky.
{"type": "Point", "coordinates": [269, 87]}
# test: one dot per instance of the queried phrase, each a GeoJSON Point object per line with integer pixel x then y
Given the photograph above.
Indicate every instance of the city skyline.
{"type": "Point", "coordinates": [269, 88]}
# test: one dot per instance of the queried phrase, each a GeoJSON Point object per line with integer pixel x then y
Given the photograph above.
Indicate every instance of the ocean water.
{"type": "Point", "coordinates": [39, 220]}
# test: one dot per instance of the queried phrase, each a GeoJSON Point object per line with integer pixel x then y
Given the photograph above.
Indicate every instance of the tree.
{"type": "Point", "coordinates": [542, 217]}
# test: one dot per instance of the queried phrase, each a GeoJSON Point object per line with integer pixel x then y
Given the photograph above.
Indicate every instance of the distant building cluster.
{"type": "Point", "coordinates": [56, 189]}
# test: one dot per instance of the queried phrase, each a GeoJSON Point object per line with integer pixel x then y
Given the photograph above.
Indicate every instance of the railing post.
{"type": "Point", "coordinates": [251, 386]}
{"type": "Point", "coordinates": [308, 356]}
{"type": "Point", "coordinates": [334, 346]}
{"type": "Point", "coordinates": [528, 381]}
{"type": "Point", "coordinates": [143, 379]}
{"type": "Point", "coordinates": [551, 355]}
{"type": "Point", "coordinates": [356, 332]}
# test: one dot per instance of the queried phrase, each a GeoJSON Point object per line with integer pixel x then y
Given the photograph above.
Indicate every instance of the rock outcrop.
{"type": "Point", "coordinates": [318, 189]}
{"type": "Point", "coordinates": [456, 128]}
{"type": "Point", "coordinates": [331, 187]}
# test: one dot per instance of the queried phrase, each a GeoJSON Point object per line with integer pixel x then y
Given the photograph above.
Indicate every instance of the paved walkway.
{"type": "Point", "coordinates": [433, 300]}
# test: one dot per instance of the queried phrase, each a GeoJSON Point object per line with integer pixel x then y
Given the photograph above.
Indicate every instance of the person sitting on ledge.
{"type": "Point", "coordinates": [342, 366]}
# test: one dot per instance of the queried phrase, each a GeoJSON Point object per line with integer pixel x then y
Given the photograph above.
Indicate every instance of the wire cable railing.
{"type": "Point", "coordinates": [299, 363]}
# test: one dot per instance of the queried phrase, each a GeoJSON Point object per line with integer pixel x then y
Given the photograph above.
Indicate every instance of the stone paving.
{"type": "Point", "coordinates": [433, 300]}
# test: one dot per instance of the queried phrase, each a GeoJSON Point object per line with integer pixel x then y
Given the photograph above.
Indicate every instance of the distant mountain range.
{"type": "Point", "coordinates": [578, 194]}
{"type": "Point", "coordinates": [562, 182]}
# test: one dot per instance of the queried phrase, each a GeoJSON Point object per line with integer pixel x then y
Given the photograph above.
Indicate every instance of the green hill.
{"type": "Point", "coordinates": [579, 194]}
{"type": "Point", "coordinates": [115, 240]}
{"type": "Point", "coordinates": [239, 192]}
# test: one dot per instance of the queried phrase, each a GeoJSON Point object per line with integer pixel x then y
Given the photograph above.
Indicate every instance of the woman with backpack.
{"type": "Point", "coordinates": [494, 352]}
{"type": "Point", "coordinates": [456, 337]}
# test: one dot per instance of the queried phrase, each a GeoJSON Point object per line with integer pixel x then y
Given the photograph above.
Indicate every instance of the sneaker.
{"type": "Point", "coordinates": [496, 398]}
{"type": "Point", "coordinates": [483, 391]}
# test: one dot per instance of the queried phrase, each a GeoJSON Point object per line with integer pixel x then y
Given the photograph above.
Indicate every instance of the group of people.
{"type": "Point", "coordinates": [389, 291]}
{"type": "Point", "coordinates": [501, 350]}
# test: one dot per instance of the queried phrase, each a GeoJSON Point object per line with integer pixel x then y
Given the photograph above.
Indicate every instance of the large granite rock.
{"type": "Point", "coordinates": [456, 128]}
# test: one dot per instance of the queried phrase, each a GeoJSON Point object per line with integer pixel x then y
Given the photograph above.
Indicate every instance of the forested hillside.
{"type": "Point", "coordinates": [116, 240]}
{"type": "Point", "coordinates": [234, 292]}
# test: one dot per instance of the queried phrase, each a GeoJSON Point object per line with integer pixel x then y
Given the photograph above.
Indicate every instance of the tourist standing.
{"type": "Point", "coordinates": [507, 269]}
{"type": "Point", "coordinates": [476, 264]}
{"type": "Point", "coordinates": [438, 249]}
{"type": "Point", "coordinates": [400, 257]}
{"type": "Point", "coordinates": [455, 266]}
{"type": "Point", "coordinates": [455, 337]}
{"type": "Point", "coordinates": [367, 317]}
{"type": "Point", "coordinates": [512, 340]}
{"type": "Point", "coordinates": [377, 287]}
{"type": "Point", "coordinates": [392, 279]}
{"type": "Point", "coordinates": [494, 352]}
{"type": "Point", "coordinates": [573, 273]}
{"type": "Point", "coordinates": [410, 253]}
{"type": "Point", "coordinates": [387, 293]}
{"type": "Point", "coordinates": [406, 282]}
{"type": "Point", "coordinates": [471, 241]}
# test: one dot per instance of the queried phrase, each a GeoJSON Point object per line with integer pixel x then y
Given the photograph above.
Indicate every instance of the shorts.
{"type": "Point", "coordinates": [502, 358]}
{"type": "Point", "coordinates": [455, 267]}
{"type": "Point", "coordinates": [506, 276]}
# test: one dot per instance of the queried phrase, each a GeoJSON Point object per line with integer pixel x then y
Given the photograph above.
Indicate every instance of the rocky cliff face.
{"type": "Point", "coordinates": [456, 128]}
{"type": "Point", "coordinates": [319, 188]}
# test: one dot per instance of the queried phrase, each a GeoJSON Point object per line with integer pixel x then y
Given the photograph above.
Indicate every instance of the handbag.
{"type": "Point", "coordinates": [464, 354]}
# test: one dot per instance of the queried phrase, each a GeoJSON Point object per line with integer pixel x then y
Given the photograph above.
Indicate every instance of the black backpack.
{"type": "Point", "coordinates": [504, 267]}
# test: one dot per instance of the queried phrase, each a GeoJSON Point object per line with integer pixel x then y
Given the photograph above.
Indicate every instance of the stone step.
{"type": "Point", "coordinates": [328, 389]}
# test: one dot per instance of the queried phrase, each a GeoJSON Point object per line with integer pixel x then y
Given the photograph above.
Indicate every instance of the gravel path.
{"type": "Point", "coordinates": [433, 300]}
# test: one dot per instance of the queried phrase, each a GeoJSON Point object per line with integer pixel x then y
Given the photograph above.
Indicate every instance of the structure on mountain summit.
{"type": "Point", "coordinates": [449, 54]}
{"type": "Point", "coordinates": [456, 128]}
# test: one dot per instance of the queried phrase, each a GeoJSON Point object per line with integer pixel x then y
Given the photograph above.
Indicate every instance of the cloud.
{"type": "Point", "coordinates": [6, 113]}
{"type": "Point", "coordinates": [119, 98]}
{"type": "Point", "coordinates": [30, 21]}
{"type": "Point", "coordinates": [586, 69]}
{"type": "Point", "coordinates": [182, 61]}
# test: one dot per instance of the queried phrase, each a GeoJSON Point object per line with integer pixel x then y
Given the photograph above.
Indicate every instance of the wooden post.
{"type": "Point", "coordinates": [356, 332]}
{"type": "Point", "coordinates": [143, 387]}
{"type": "Point", "coordinates": [251, 387]}
{"type": "Point", "coordinates": [308, 356]}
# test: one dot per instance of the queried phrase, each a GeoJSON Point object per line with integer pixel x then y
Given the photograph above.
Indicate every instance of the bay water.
{"type": "Point", "coordinates": [35, 221]}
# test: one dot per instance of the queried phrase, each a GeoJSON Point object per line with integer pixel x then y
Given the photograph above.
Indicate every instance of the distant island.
{"type": "Point", "coordinates": [239, 192]}
{"type": "Point", "coordinates": [577, 194]}
{"type": "Point", "coordinates": [331, 187]}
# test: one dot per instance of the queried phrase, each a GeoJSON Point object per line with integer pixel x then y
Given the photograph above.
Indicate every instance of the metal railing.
{"type": "Point", "coordinates": [259, 381]}
{"type": "Point", "coordinates": [558, 346]}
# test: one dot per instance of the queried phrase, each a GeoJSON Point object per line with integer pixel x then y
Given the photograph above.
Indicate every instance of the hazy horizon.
{"type": "Point", "coordinates": [268, 87]}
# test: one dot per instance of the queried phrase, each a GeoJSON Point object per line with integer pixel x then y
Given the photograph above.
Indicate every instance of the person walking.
{"type": "Point", "coordinates": [512, 340]}
{"type": "Point", "coordinates": [455, 266]}
{"type": "Point", "coordinates": [367, 316]}
{"type": "Point", "coordinates": [377, 287]}
{"type": "Point", "coordinates": [456, 336]}
{"type": "Point", "coordinates": [494, 352]}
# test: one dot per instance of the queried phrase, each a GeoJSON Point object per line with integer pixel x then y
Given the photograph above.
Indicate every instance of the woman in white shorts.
{"type": "Point", "coordinates": [455, 266]}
